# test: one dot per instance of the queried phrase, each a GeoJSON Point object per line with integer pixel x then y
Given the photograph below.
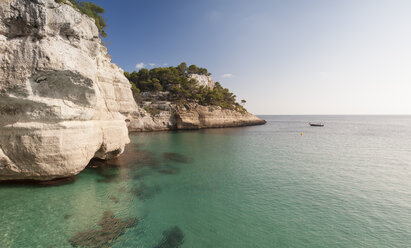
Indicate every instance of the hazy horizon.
{"type": "Point", "coordinates": [333, 114]}
{"type": "Point", "coordinates": [293, 57]}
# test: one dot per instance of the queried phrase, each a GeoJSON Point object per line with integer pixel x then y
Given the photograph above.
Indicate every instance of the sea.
{"type": "Point", "coordinates": [282, 184]}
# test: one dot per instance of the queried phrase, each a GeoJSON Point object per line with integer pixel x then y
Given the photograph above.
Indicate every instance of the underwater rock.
{"type": "Point", "coordinates": [172, 238]}
{"type": "Point", "coordinates": [169, 170]}
{"type": "Point", "coordinates": [117, 172]}
{"type": "Point", "coordinates": [175, 157]}
{"type": "Point", "coordinates": [141, 173]}
{"type": "Point", "coordinates": [108, 173]}
{"type": "Point", "coordinates": [111, 229]}
{"type": "Point", "coordinates": [132, 164]}
{"type": "Point", "coordinates": [144, 192]}
{"type": "Point", "coordinates": [122, 189]}
{"type": "Point", "coordinates": [67, 216]}
{"type": "Point", "coordinates": [114, 199]}
{"type": "Point", "coordinates": [111, 175]}
{"type": "Point", "coordinates": [131, 158]}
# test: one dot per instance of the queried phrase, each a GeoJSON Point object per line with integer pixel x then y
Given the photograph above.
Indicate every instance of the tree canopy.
{"type": "Point", "coordinates": [182, 88]}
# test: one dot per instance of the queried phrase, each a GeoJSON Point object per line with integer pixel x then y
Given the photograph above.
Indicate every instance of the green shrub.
{"type": "Point", "coordinates": [183, 89]}
{"type": "Point", "coordinates": [152, 111]}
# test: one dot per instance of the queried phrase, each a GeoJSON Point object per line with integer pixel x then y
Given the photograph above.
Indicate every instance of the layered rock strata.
{"type": "Point", "coordinates": [62, 101]}
{"type": "Point", "coordinates": [156, 113]}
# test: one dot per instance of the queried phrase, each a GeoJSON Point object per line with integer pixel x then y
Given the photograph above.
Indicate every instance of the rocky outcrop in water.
{"type": "Point", "coordinates": [194, 116]}
{"type": "Point", "coordinates": [62, 101]}
{"type": "Point", "coordinates": [157, 113]}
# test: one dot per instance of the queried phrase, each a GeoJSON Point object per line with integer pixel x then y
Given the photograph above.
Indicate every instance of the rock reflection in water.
{"type": "Point", "coordinates": [111, 229]}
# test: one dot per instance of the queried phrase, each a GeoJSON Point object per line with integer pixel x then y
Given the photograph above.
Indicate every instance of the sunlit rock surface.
{"type": "Point", "coordinates": [203, 80]}
{"type": "Point", "coordinates": [62, 101]}
{"type": "Point", "coordinates": [165, 115]}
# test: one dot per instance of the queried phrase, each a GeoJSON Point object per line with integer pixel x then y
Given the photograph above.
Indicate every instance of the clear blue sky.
{"type": "Point", "coordinates": [283, 57]}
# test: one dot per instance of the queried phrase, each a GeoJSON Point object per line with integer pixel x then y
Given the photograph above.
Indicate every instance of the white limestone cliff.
{"type": "Point", "coordinates": [203, 80]}
{"type": "Point", "coordinates": [157, 113]}
{"type": "Point", "coordinates": [191, 116]}
{"type": "Point", "coordinates": [62, 101]}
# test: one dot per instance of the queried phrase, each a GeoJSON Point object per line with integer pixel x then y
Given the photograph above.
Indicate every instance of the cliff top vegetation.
{"type": "Point", "coordinates": [182, 88]}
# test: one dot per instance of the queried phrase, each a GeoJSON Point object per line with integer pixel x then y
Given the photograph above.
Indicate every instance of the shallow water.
{"type": "Point", "coordinates": [347, 184]}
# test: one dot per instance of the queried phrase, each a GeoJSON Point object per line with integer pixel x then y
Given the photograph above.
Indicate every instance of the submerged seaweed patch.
{"type": "Point", "coordinates": [111, 229]}
{"type": "Point", "coordinates": [110, 174]}
{"type": "Point", "coordinates": [172, 238]}
{"type": "Point", "coordinates": [134, 159]}
{"type": "Point", "coordinates": [114, 199]}
{"type": "Point", "coordinates": [107, 172]}
{"type": "Point", "coordinates": [144, 192]}
{"type": "Point", "coordinates": [141, 173]}
{"type": "Point", "coordinates": [67, 216]}
{"type": "Point", "coordinates": [145, 159]}
{"type": "Point", "coordinates": [169, 170]}
{"type": "Point", "coordinates": [125, 166]}
{"type": "Point", "coordinates": [175, 157]}
{"type": "Point", "coordinates": [122, 189]}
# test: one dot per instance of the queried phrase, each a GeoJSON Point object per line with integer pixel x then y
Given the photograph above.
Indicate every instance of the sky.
{"type": "Point", "coordinates": [282, 57]}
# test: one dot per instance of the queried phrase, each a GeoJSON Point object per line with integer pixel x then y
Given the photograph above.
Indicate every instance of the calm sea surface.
{"type": "Point", "coordinates": [347, 184]}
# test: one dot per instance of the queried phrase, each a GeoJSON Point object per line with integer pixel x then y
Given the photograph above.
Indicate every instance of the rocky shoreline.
{"type": "Point", "coordinates": [63, 102]}
{"type": "Point", "coordinates": [191, 117]}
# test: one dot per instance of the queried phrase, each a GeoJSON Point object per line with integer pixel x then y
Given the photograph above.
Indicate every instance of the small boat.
{"type": "Point", "coordinates": [316, 124]}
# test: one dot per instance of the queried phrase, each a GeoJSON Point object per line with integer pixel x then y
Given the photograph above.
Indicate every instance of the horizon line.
{"type": "Point", "coordinates": [337, 114]}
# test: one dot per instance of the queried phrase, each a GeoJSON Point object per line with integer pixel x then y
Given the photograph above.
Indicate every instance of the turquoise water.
{"type": "Point", "coordinates": [347, 184]}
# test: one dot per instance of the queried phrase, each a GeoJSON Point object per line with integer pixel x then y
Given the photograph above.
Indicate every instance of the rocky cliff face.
{"type": "Point", "coordinates": [159, 114]}
{"type": "Point", "coordinates": [62, 102]}
{"type": "Point", "coordinates": [194, 116]}
{"type": "Point", "coordinates": [203, 80]}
